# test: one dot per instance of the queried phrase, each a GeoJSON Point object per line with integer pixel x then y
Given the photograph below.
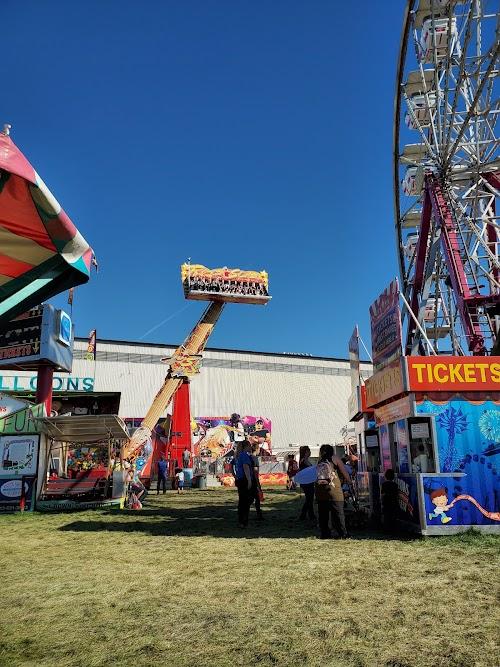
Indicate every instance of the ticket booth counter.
{"type": "Point", "coordinates": [444, 447]}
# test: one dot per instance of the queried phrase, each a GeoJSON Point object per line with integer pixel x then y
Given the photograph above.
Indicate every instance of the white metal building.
{"type": "Point", "coordinates": [305, 397]}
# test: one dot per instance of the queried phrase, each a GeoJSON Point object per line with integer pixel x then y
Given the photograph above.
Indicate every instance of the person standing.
{"type": "Point", "coordinates": [346, 488]}
{"type": "Point", "coordinates": [291, 470]}
{"type": "Point", "coordinates": [238, 434]}
{"type": "Point", "coordinates": [162, 474]}
{"type": "Point", "coordinates": [179, 476]}
{"type": "Point", "coordinates": [186, 458]}
{"type": "Point", "coordinates": [389, 494]}
{"type": "Point", "coordinates": [308, 489]}
{"type": "Point", "coordinates": [329, 493]}
{"type": "Point", "coordinates": [421, 461]}
{"type": "Point", "coordinates": [243, 469]}
{"type": "Point", "coordinates": [256, 488]}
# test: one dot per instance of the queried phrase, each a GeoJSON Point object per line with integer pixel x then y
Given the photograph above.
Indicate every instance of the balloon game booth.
{"type": "Point", "coordinates": [82, 468]}
{"type": "Point", "coordinates": [434, 420]}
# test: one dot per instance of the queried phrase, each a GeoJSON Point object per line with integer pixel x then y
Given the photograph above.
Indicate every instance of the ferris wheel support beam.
{"type": "Point", "coordinates": [467, 303]}
{"type": "Point", "coordinates": [493, 178]}
{"type": "Point", "coordinates": [420, 255]}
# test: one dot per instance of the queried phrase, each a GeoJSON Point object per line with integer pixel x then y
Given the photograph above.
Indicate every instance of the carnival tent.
{"type": "Point", "coordinates": [41, 251]}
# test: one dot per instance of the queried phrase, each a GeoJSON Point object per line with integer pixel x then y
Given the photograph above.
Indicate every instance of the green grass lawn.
{"type": "Point", "coordinates": [179, 584]}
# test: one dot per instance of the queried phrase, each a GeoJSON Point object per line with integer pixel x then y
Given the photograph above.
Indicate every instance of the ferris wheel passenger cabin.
{"type": "Point", "coordinates": [437, 33]}
{"type": "Point", "coordinates": [421, 99]}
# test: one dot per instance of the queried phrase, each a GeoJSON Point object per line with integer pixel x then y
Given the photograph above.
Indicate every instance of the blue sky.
{"type": "Point", "coordinates": [248, 134]}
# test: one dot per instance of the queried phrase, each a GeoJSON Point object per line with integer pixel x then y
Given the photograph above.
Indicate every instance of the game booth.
{"type": "Point", "coordinates": [82, 466]}
{"type": "Point", "coordinates": [435, 421]}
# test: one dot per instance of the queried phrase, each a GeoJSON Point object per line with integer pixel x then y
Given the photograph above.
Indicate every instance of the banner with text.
{"type": "Point", "coordinates": [385, 320]}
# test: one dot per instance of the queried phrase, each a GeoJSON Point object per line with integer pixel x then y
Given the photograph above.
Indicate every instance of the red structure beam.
{"type": "Point", "coordinates": [466, 304]}
{"type": "Point", "coordinates": [421, 253]}
{"type": "Point", "coordinates": [180, 434]}
{"type": "Point", "coordinates": [44, 387]}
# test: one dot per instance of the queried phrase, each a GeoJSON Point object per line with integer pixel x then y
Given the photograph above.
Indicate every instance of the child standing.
{"type": "Point", "coordinates": [179, 477]}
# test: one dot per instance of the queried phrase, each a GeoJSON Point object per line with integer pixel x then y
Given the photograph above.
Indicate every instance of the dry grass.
{"type": "Point", "coordinates": [178, 584]}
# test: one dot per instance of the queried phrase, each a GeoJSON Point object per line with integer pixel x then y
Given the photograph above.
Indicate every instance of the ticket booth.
{"type": "Point", "coordinates": [437, 425]}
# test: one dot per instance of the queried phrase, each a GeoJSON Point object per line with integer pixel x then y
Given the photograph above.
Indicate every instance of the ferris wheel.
{"type": "Point", "coordinates": [447, 176]}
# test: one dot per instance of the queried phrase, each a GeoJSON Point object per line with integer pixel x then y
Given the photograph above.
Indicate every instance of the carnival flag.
{"type": "Point", "coordinates": [91, 346]}
{"type": "Point", "coordinates": [354, 358]}
{"type": "Point", "coordinates": [71, 294]}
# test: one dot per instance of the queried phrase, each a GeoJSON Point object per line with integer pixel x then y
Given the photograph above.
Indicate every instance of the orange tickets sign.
{"type": "Point", "coordinates": [454, 373]}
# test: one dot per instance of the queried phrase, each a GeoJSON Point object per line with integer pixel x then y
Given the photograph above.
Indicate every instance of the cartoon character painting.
{"type": "Point", "coordinates": [439, 498]}
{"type": "Point", "coordinates": [440, 502]}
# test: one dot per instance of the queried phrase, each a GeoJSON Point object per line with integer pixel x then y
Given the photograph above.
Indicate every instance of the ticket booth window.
{"type": "Point", "coordinates": [372, 451]}
{"type": "Point", "coordinates": [402, 443]}
{"type": "Point", "coordinates": [422, 450]}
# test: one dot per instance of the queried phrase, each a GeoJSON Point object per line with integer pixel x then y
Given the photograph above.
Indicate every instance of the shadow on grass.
{"type": "Point", "coordinates": [197, 518]}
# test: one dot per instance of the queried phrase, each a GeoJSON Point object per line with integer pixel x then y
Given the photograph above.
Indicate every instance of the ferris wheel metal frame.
{"type": "Point", "coordinates": [446, 184]}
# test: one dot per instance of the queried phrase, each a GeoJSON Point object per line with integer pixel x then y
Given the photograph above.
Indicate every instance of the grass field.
{"type": "Point", "coordinates": [179, 584]}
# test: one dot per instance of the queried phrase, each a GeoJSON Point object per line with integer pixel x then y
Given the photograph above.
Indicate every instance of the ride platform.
{"type": "Point", "coordinates": [225, 285]}
{"type": "Point", "coordinates": [198, 295]}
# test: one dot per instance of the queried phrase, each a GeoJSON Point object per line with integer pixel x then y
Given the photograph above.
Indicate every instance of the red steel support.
{"type": "Point", "coordinates": [421, 253]}
{"type": "Point", "coordinates": [466, 302]}
{"type": "Point", "coordinates": [44, 387]}
{"type": "Point", "coordinates": [181, 424]}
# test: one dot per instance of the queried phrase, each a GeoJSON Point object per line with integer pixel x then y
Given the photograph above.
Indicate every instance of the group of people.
{"type": "Point", "coordinates": [328, 489]}
{"type": "Point", "coordinates": [228, 286]}
{"type": "Point", "coordinates": [178, 477]}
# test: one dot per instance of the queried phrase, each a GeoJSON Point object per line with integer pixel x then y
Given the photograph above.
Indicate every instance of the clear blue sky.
{"type": "Point", "coordinates": [248, 134]}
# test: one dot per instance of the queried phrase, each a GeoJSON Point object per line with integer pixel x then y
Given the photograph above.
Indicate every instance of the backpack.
{"type": "Point", "coordinates": [326, 482]}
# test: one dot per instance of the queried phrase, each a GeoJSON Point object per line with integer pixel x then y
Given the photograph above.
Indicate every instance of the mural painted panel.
{"type": "Point", "coordinates": [214, 437]}
{"type": "Point", "coordinates": [468, 442]}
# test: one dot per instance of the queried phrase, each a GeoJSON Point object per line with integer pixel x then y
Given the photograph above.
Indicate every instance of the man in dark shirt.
{"type": "Point", "coordinates": [162, 474]}
{"type": "Point", "coordinates": [256, 488]}
{"type": "Point", "coordinates": [389, 495]}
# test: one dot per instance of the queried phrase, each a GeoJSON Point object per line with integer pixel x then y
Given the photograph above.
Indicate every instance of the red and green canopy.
{"type": "Point", "coordinates": [41, 252]}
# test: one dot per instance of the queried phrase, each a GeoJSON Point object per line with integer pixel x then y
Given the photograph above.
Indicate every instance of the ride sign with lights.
{"type": "Point", "coordinates": [454, 373]}
{"type": "Point", "coordinates": [41, 336]}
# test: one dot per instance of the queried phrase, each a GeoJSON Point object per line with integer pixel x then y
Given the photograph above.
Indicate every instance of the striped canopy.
{"type": "Point", "coordinates": [41, 251]}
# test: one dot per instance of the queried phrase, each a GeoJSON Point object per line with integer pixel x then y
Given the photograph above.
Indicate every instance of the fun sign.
{"type": "Point", "coordinates": [454, 373]}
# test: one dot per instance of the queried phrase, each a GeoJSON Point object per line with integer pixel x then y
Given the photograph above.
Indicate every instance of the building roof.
{"type": "Point", "coordinates": [287, 355]}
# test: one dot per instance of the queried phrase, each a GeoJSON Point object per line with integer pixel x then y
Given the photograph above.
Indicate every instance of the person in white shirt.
{"type": "Point", "coordinates": [239, 431]}
{"type": "Point", "coordinates": [179, 476]}
{"type": "Point", "coordinates": [421, 461]}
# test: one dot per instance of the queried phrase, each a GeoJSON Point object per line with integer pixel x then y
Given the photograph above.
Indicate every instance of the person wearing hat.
{"type": "Point", "coordinates": [239, 431]}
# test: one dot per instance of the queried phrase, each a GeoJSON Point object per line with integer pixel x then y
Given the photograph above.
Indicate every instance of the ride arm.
{"type": "Point", "coordinates": [192, 346]}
